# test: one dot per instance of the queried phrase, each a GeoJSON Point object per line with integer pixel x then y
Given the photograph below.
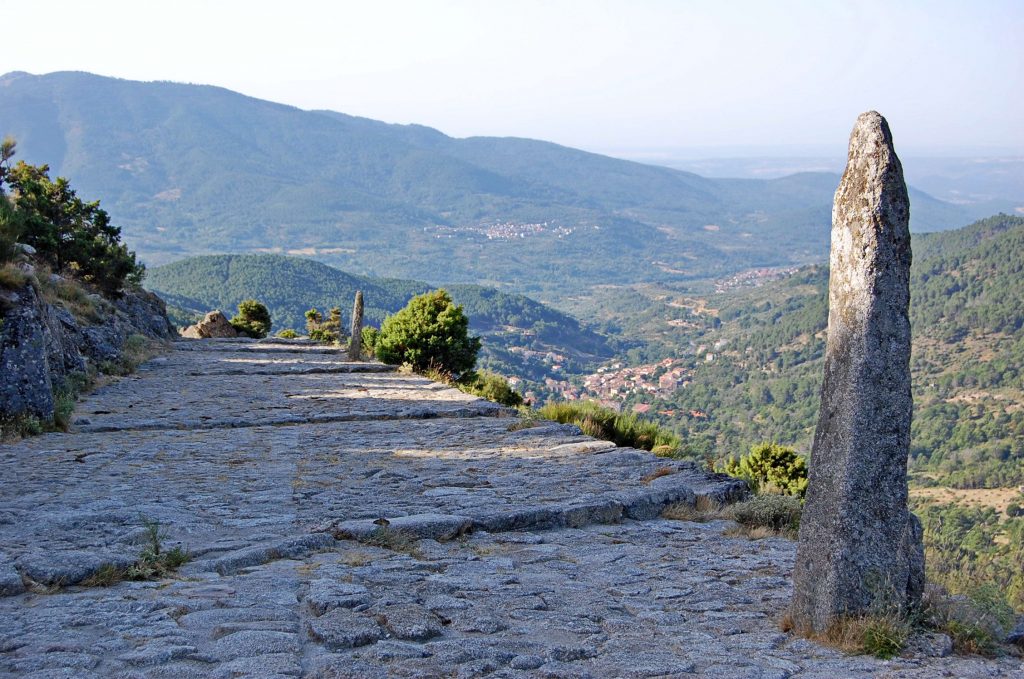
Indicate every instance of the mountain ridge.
{"type": "Point", "coordinates": [199, 169]}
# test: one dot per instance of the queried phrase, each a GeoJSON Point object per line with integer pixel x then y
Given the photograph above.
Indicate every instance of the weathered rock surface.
{"type": "Point", "coordinates": [214, 325]}
{"type": "Point", "coordinates": [581, 589]}
{"type": "Point", "coordinates": [355, 346]}
{"type": "Point", "coordinates": [41, 344]}
{"type": "Point", "coordinates": [859, 544]}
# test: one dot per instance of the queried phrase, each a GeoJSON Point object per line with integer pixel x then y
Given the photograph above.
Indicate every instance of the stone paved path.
{"type": "Point", "coordinates": [272, 461]}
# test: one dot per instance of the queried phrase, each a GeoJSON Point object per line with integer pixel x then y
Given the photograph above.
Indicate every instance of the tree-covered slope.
{"type": "Point", "coordinates": [190, 169]}
{"type": "Point", "coordinates": [967, 314]}
{"type": "Point", "coordinates": [515, 328]}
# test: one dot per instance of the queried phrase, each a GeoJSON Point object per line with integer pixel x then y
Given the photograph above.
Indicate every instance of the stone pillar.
{"type": "Point", "coordinates": [355, 347]}
{"type": "Point", "coordinates": [860, 547]}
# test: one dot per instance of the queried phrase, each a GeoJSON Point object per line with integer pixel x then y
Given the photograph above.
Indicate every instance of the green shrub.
{"type": "Point", "coordinates": [770, 467]}
{"type": "Point", "coordinates": [370, 337]}
{"type": "Point", "coordinates": [604, 423]}
{"type": "Point", "coordinates": [253, 319]}
{"type": "Point", "coordinates": [63, 409]}
{"type": "Point", "coordinates": [1014, 510]}
{"type": "Point", "coordinates": [13, 427]}
{"type": "Point", "coordinates": [976, 621]}
{"type": "Point", "coordinates": [10, 230]}
{"type": "Point", "coordinates": [287, 333]}
{"type": "Point", "coordinates": [780, 513]}
{"type": "Point", "coordinates": [430, 332]}
{"type": "Point", "coordinates": [491, 386]}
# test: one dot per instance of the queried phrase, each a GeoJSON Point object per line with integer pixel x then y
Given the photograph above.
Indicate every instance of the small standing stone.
{"type": "Point", "coordinates": [860, 547]}
{"type": "Point", "coordinates": [355, 347]}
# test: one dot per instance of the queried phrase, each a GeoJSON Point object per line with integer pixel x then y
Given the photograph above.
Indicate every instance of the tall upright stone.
{"type": "Point", "coordinates": [860, 547]}
{"type": "Point", "coordinates": [355, 347]}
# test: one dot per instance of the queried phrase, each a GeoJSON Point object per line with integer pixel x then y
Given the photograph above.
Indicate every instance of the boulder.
{"type": "Point", "coordinates": [214, 324]}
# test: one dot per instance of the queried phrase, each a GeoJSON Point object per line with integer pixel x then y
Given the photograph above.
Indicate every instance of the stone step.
{"type": "Point", "coordinates": [485, 409]}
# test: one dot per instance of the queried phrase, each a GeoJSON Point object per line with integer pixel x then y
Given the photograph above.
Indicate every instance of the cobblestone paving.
{"type": "Point", "coordinates": [272, 461]}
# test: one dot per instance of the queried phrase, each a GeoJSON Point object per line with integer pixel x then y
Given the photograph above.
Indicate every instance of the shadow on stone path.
{"type": "Point", "coordinates": [267, 459]}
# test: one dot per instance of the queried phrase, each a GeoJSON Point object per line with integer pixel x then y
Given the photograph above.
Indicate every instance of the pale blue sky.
{"type": "Point", "coordinates": [608, 76]}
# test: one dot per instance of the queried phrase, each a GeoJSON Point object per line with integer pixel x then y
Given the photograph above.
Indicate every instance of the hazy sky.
{"type": "Point", "coordinates": [602, 75]}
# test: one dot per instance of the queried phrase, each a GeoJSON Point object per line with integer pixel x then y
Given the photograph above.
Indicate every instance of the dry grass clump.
{"type": "Point", "coordinates": [70, 294]}
{"type": "Point", "coordinates": [883, 635]}
{"type": "Point", "coordinates": [765, 515]}
{"type": "Point", "coordinates": [394, 540]}
{"type": "Point", "coordinates": [704, 509]}
{"type": "Point", "coordinates": [12, 277]}
{"type": "Point", "coordinates": [656, 474]}
{"type": "Point", "coordinates": [880, 635]}
{"type": "Point", "coordinates": [752, 532]}
{"type": "Point", "coordinates": [976, 623]}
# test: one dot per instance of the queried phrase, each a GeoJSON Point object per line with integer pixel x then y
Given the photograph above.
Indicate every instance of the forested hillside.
{"type": "Point", "coordinates": [519, 333]}
{"type": "Point", "coordinates": [193, 169]}
{"type": "Point", "coordinates": [767, 344]}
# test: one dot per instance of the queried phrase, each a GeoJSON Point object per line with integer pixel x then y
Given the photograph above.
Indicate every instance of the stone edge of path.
{"type": "Point", "coordinates": [72, 568]}
{"type": "Point", "coordinates": [637, 505]}
{"type": "Point", "coordinates": [479, 408]}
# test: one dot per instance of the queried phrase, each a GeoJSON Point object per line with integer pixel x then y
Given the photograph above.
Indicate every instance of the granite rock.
{"type": "Point", "coordinates": [860, 547]}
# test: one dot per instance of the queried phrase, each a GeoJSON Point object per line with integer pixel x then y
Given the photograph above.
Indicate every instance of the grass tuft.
{"type": "Point", "coordinates": [136, 350]}
{"type": "Point", "coordinates": [394, 540]}
{"type": "Point", "coordinates": [882, 635]}
{"type": "Point", "coordinates": [623, 429]}
{"type": "Point", "coordinates": [154, 561]}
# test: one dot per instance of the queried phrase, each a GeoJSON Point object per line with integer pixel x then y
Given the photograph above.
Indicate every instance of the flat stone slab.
{"type": "Point", "coordinates": [638, 599]}
{"type": "Point", "coordinates": [210, 384]}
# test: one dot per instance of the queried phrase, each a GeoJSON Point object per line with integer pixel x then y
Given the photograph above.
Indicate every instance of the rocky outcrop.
{"type": "Point", "coordinates": [860, 546]}
{"type": "Point", "coordinates": [214, 325]}
{"type": "Point", "coordinates": [42, 343]}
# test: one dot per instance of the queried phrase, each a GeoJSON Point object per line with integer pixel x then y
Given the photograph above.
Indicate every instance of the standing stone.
{"type": "Point", "coordinates": [355, 347]}
{"type": "Point", "coordinates": [860, 547]}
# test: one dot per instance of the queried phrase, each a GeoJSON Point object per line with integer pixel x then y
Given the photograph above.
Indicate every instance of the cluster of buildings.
{"type": "Point", "coordinates": [753, 278]}
{"type": "Point", "coordinates": [501, 230]}
{"type": "Point", "coordinates": [551, 359]}
{"type": "Point", "coordinates": [614, 383]}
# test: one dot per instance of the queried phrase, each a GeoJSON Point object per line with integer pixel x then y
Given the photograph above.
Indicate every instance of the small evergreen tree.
{"type": "Point", "coordinates": [491, 386]}
{"type": "Point", "coordinates": [319, 330]}
{"type": "Point", "coordinates": [252, 319]}
{"type": "Point", "coordinates": [72, 236]}
{"type": "Point", "coordinates": [430, 332]}
{"type": "Point", "coordinates": [771, 465]}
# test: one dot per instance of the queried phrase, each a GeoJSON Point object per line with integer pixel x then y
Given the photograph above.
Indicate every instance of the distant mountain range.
{"type": "Point", "coordinates": [189, 169]}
